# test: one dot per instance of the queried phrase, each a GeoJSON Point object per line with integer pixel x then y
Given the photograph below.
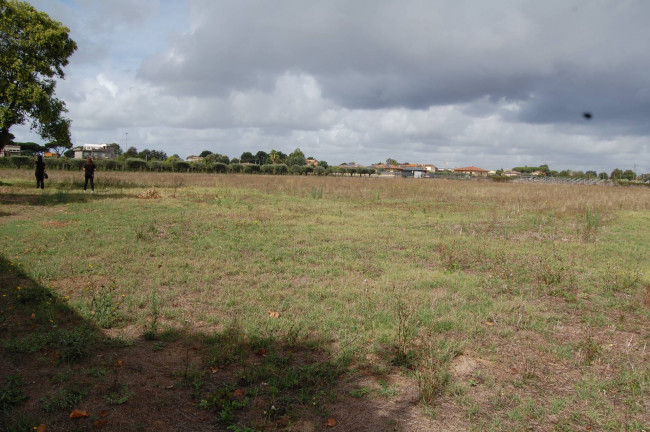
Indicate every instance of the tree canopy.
{"type": "Point", "coordinates": [35, 49]}
{"type": "Point", "coordinates": [296, 158]}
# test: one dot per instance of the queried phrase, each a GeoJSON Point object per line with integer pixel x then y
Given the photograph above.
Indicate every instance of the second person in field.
{"type": "Point", "coordinates": [89, 174]}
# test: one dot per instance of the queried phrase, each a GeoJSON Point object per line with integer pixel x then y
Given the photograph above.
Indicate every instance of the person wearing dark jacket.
{"type": "Point", "coordinates": [89, 170]}
{"type": "Point", "coordinates": [40, 172]}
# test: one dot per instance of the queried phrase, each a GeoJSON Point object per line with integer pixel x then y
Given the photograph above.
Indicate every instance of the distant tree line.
{"type": "Point", "coordinates": [274, 162]}
{"type": "Point", "coordinates": [175, 164]}
{"type": "Point", "coordinates": [616, 174]}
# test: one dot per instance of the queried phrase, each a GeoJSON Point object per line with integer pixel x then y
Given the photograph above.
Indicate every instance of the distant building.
{"type": "Point", "coordinates": [413, 171]}
{"type": "Point", "coordinates": [50, 155]}
{"type": "Point", "coordinates": [95, 151]}
{"type": "Point", "coordinates": [312, 162]}
{"type": "Point", "coordinates": [472, 170]}
{"type": "Point", "coordinates": [193, 158]}
{"type": "Point", "coordinates": [10, 150]}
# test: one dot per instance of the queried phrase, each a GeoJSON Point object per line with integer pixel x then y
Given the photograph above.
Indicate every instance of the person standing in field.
{"type": "Point", "coordinates": [89, 170]}
{"type": "Point", "coordinates": [40, 172]}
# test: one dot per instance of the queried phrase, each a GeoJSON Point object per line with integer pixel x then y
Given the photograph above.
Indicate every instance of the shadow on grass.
{"type": "Point", "coordinates": [53, 361]}
{"type": "Point", "coordinates": [56, 197]}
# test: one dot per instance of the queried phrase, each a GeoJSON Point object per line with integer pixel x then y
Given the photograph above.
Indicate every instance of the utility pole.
{"type": "Point", "coordinates": [126, 141]}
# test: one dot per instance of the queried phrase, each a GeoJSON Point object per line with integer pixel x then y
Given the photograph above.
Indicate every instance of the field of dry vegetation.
{"type": "Point", "coordinates": [264, 303]}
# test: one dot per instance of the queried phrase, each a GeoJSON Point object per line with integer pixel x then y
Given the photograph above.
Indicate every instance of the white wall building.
{"type": "Point", "coordinates": [10, 150]}
{"type": "Point", "coordinates": [95, 151]}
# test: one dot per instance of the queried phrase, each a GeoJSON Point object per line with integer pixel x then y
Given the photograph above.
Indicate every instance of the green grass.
{"type": "Point", "coordinates": [417, 276]}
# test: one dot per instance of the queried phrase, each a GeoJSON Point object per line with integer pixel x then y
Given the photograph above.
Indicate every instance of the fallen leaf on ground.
{"type": "Point", "coordinates": [100, 423]}
{"type": "Point", "coordinates": [78, 413]}
{"type": "Point", "coordinates": [41, 428]}
{"type": "Point", "coordinates": [261, 352]}
{"type": "Point", "coordinates": [214, 370]}
{"type": "Point", "coordinates": [103, 413]}
{"type": "Point", "coordinates": [239, 393]}
{"type": "Point", "coordinates": [330, 422]}
{"type": "Point", "coordinates": [274, 314]}
{"type": "Point", "coordinates": [490, 323]}
{"type": "Point", "coordinates": [119, 363]}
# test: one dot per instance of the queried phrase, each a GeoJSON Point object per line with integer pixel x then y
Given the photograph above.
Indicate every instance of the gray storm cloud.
{"type": "Point", "coordinates": [558, 57]}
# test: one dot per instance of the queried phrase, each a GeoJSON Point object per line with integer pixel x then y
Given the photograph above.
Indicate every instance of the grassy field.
{"type": "Point", "coordinates": [247, 302]}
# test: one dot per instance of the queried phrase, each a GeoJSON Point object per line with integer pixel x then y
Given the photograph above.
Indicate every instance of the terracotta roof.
{"type": "Point", "coordinates": [470, 168]}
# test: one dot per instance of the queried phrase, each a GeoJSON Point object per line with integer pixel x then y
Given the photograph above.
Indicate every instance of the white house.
{"type": "Point", "coordinates": [95, 151]}
{"type": "Point", "coordinates": [10, 150]}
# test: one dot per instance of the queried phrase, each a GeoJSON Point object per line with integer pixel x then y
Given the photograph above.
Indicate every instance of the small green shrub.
{"type": "Point", "coordinates": [105, 303]}
{"type": "Point", "coordinates": [135, 164]}
{"type": "Point", "coordinates": [62, 399]}
{"type": "Point", "coordinates": [22, 161]}
{"type": "Point", "coordinates": [316, 192]}
{"type": "Point", "coordinates": [119, 397]}
{"type": "Point", "coordinates": [75, 344]}
{"type": "Point", "coordinates": [11, 393]}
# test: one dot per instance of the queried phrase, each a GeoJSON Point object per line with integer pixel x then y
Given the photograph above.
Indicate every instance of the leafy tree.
{"type": "Point", "coordinates": [205, 153]}
{"type": "Point", "coordinates": [34, 50]}
{"type": "Point", "coordinates": [281, 169]}
{"type": "Point", "coordinates": [69, 153]}
{"type": "Point", "coordinates": [628, 175]}
{"type": "Point", "coordinates": [117, 150]}
{"type": "Point", "coordinates": [181, 165]}
{"type": "Point", "coordinates": [323, 164]}
{"type": "Point", "coordinates": [219, 167]}
{"type": "Point", "coordinates": [158, 154]}
{"type": "Point", "coordinates": [144, 154]}
{"type": "Point", "coordinates": [275, 157]}
{"type": "Point", "coordinates": [30, 148]}
{"type": "Point", "coordinates": [591, 174]}
{"type": "Point", "coordinates": [617, 174]}
{"type": "Point", "coordinates": [391, 161]}
{"type": "Point", "coordinates": [247, 157]}
{"type": "Point", "coordinates": [20, 161]}
{"type": "Point", "coordinates": [131, 152]}
{"type": "Point", "coordinates": [544, 168]}
{"type": "Point", "coordinates": [261, 157]}
{"type": "Point", "coordinates": [217, 158]}
{"type": "Point", "coordinates": [296, 158]}
{"type": "Point", "coordinates": [135, 164]}
{"type": "Point", "coordinates": [147, 154]}
{"type": "Point", "coordinates": [234, 161]}
{"type": "Point", "coordinates": [235, 167]}
{"type": "Point", "coordinates": [251, 168]}
{"type": "Point", "coordinates": [603, 176]}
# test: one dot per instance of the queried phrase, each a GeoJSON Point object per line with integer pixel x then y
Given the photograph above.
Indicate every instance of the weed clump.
{"type": "Point", "coordinates": [151, 193]}
{"type": "Point", "coordinates": [11, 393]}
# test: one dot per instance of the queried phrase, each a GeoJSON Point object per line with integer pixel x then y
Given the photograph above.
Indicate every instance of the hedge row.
{"type": "Point", "coordinates": [135, 164]}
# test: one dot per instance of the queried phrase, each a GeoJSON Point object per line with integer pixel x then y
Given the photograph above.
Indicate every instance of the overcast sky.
{"type": "Point", "coordinates": [495, 84]}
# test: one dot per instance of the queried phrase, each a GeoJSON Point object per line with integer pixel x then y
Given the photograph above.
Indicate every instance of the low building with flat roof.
{"type": "Point", "coordinates": [10, 150]}
{"type": "Point", "coordinates": [95, 151]}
